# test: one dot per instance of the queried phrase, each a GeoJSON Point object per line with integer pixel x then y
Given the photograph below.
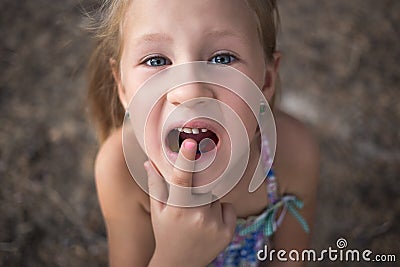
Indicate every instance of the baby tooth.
{"type": "Point", "coordinates": [195, 131]}
{"type": "Point", "coordinates": [180, 129]}
{"type": "Point", "coordinates": [204, 130]}
{"type": "Point", "coordinates": [187, 130]}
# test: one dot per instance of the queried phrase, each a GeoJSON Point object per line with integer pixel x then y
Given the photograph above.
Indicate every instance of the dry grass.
{"type": "Point", "coordinates": [340, 75]}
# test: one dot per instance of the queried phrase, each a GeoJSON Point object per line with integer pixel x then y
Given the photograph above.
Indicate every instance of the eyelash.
{"type": "Point", "coordinates": [232, 57]}
{"type": "Point", "coordinates": [146, 61]}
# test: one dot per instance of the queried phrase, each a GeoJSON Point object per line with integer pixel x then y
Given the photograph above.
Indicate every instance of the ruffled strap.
{"type": "Point", "coordinates": [268, 219]}
{"type": "Point", "coordinates": [292, 205]}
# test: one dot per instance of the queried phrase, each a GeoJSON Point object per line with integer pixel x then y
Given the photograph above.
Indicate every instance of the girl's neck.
{"type": "Point", "coordinates": [247, 203]}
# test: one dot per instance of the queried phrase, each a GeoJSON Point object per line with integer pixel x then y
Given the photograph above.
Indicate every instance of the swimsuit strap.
{"type": "Point", "coordinates": [272, 187]}
{"type": "Point", "coordinates": [268, 219]}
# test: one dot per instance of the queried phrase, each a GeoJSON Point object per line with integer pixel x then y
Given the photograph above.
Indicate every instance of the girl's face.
{"type": "Point", "coordinates": [158, 34]}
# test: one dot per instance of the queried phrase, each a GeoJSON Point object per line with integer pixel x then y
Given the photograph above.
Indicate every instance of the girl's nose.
{"type": "Point", "coordinates": [188, 92]}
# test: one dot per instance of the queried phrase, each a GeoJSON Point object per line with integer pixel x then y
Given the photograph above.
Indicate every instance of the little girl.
{"type": "Point", "coordinates": [138, 39]}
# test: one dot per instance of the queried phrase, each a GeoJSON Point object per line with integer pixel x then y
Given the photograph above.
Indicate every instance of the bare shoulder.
{"type": "Point", "coordinates": [112, 174]}
{"type": "Point", "coordinates": [297, 169]}
{"type": "Point", "coordinates": [125, 207]}
{"type": "Point", "coordinates": [297, 156]}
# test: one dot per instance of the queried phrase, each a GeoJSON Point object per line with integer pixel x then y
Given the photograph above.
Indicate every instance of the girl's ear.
{"type": "Point", "coordinates": [271, 76]}
{"type": "Point", "coordinates": [117, 78]}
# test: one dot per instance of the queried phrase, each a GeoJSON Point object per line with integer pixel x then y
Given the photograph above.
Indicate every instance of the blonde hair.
{"type": "Point", "coordinates": [104, 106]}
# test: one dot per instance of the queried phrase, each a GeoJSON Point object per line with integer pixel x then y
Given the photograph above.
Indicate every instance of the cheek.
{"type": "Point", "coordinates": [243, 111]}
{"type": "Point", "coordinates": [153, 127]}
{"type": "Point", "coordinates": [248, 120]}
{"type": "Point", "coordinates": [132, 79]}
{"type": "Point", "coordinates": [255, 71]}
{"type": "Point", "coordinates": [131, 86]}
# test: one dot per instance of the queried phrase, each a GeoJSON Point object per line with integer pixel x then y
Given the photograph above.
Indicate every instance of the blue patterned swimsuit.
{"type": "Point", "coordinates": [252, 234]}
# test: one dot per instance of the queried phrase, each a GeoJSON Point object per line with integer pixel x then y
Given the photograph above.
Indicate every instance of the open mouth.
{"type": "Point", "coordinates": [176, 137]}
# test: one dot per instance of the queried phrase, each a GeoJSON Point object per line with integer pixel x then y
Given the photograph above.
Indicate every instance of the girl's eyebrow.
{"type": "Point", "coordinates": [153, 37]}
{"type": "Point", "coordinates": [162, 37]}
{"type": "Point", "coordinates": [224, 33]}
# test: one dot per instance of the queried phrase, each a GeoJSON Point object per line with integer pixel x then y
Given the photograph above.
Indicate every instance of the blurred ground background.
{"type": "Point", "coordinates": [340, 75]}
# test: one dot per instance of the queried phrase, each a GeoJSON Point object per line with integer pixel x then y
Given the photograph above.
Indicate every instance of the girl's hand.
{"type": "Point", "coordinates": [186, 235]}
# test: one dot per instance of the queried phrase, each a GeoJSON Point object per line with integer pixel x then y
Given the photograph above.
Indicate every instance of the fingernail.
{"type": "Point", "coordinates": [189, 145]}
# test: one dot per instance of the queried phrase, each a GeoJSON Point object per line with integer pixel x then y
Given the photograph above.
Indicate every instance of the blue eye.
{"type": "Point", "coordinates": [223, 59]}
{"type": "Point", "coordinates": [157, 61]}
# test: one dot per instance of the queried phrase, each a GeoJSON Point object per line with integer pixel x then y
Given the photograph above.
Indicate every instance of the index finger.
{"type": "Point", "coordinates": [181, 181]}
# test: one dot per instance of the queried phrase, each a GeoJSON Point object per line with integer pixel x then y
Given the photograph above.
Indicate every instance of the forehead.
{"type": "Point", "coordinates": [175, 18]}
